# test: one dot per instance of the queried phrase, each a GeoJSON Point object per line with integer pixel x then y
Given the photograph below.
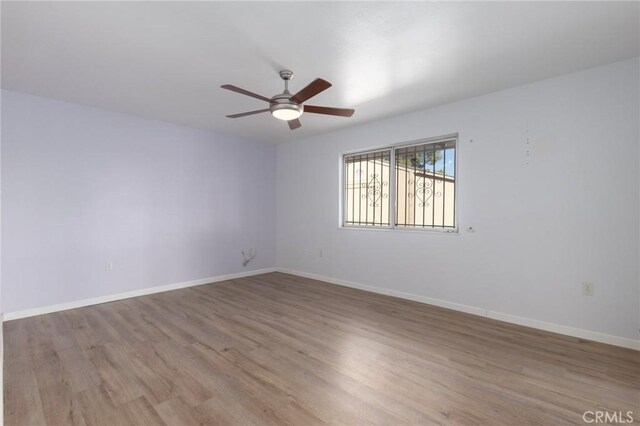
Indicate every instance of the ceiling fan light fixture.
{"type": "Point", "coordinates": [286, 112]}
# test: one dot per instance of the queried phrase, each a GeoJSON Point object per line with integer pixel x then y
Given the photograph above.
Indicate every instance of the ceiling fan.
{"type": "Point", "coordinates": [288, 107]}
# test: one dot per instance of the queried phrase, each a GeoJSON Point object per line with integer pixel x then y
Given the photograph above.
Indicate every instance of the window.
{"type": "Point", "coordinates": [367, 188]}
{"type": "Point", "coordinates": [420, 193]}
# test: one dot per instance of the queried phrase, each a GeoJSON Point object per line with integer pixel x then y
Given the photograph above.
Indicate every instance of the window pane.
{"type": "Point", "coordinates": [426, 185]}
{"type": "Point", "coordinates": [366, 191]}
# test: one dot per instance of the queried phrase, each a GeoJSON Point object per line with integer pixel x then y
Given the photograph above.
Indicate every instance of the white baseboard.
{"type": "Point", "coordinates": [513, 319]}
{"type": "Point", "coordinates": [135, 293]}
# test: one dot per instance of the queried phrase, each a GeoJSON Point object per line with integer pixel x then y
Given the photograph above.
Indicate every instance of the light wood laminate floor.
{"type": "Point", "coordinates": [279, 349]}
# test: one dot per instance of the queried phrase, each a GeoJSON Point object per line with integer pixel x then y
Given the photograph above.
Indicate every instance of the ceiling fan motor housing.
{"type": "Point", "coordinates": [283, 102]}
{"type": "Point", "coordinates": [281, 105]}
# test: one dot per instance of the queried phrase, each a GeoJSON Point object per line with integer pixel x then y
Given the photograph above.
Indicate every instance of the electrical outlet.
{"type": "Point", "coordinates": [321, 253]}
{"type": "Point", "coordinates": [108, 266]}
{"type": "Point", "coordinates": [588, 289]}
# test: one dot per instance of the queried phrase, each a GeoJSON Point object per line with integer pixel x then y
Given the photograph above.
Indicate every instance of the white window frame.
{"type": "Point", "coordinates": [392, 188]}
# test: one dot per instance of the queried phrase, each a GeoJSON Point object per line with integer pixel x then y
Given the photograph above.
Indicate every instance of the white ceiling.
{"type": "Point", "coordinates": [166, 60]}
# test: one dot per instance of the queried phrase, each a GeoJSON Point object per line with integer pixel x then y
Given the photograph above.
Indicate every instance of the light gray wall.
{"type": "Point", "coordinates": [571, 215]}
{"type": "Point", "coordinates": [166, 204]}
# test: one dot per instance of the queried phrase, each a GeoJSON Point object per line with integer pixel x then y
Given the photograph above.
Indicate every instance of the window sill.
{"type": "Point", "coordinates": [455, 231]}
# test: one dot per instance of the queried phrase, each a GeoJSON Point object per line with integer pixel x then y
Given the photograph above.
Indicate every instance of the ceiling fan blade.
{"type": "Point", "coordinates": [342, 112]}
{"type": "Point", "coordinates": [243, 114]}
{"type": "Point", "coordinates": [316, 86]}
{"type": "Point", "coordinates": [294, 124]}
{"type": "Point", "coordinates": [244, 92]}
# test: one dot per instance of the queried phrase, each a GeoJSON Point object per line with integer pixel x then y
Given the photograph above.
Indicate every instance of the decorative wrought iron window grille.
{"type": "Point", "coordinates": [367, 188]}
{"type": "Point", "coordinates": [420, 192]}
